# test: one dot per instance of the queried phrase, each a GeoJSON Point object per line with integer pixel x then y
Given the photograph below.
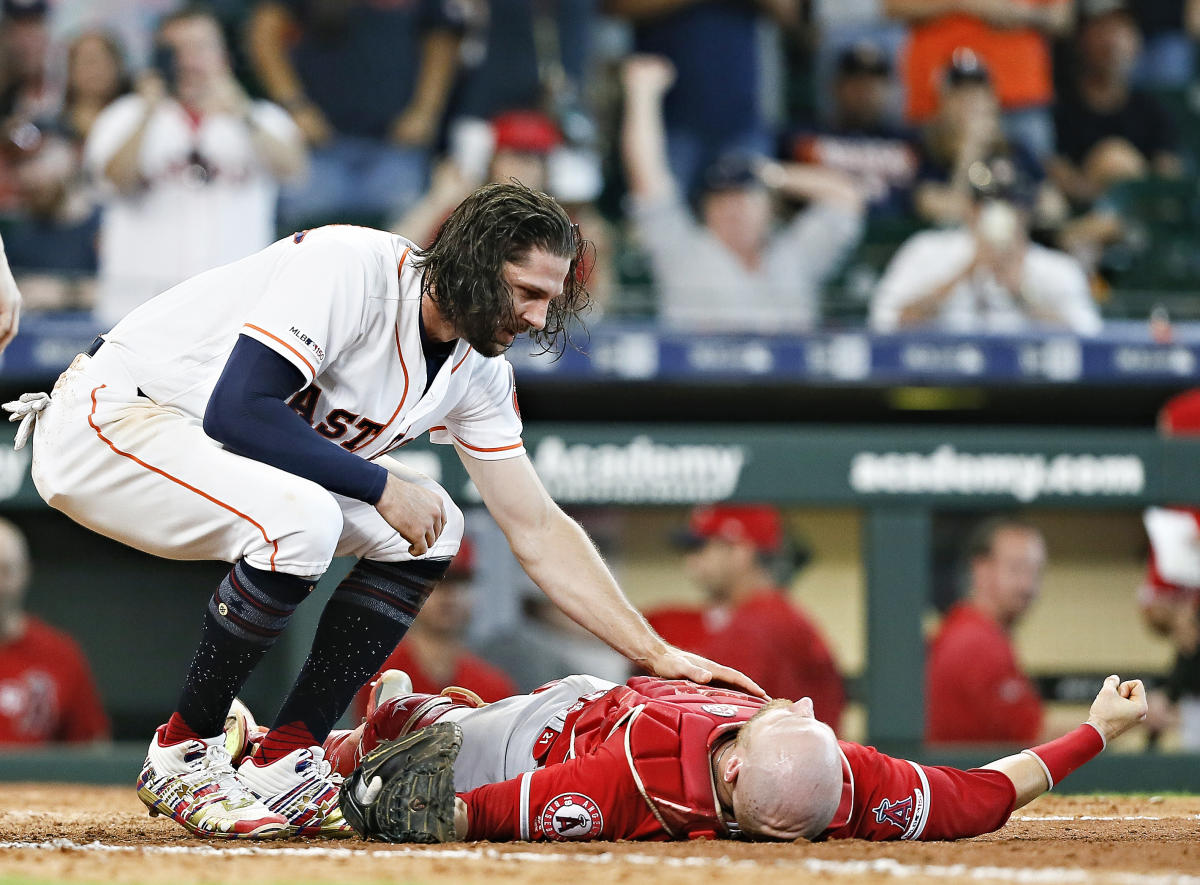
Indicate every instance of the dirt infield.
{"type": "Point", "coordinates": [51, 833]}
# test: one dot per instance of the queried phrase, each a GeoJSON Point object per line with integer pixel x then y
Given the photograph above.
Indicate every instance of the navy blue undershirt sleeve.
{"type": "Point", "coordinates": [248, 414]}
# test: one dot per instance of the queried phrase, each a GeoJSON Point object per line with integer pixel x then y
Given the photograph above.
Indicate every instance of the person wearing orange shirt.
{"type": "Point", "coordinates": [975, 688]}
{"type": "Point", "coordinates": [1011, 36]}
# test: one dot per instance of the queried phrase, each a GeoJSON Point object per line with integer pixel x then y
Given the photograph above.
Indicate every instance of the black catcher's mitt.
{"type": "Point", "coordinates": [403, 790]}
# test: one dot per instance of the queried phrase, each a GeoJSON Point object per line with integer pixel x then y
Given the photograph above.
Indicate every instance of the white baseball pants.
{"type": "Point", "coordinates": [148, 476]}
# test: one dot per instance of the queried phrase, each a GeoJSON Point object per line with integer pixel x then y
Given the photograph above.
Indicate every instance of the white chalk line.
{"type": "Point", "coordinates": [1054, 817]}
{"type": "Point", "coordinates": [879, 866]}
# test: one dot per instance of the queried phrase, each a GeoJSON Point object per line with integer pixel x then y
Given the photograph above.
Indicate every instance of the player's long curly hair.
{"type": "Point", "coordinates": [464, 266]}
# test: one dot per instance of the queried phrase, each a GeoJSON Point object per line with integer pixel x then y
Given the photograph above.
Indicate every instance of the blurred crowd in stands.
{"type": "Point", "coordinates": [752, 165]}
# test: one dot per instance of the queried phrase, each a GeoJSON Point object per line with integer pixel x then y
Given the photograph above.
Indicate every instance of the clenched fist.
{"type": "Point", "coordinates": [415, 512]}
{"type": "Point", "coordinates": [1118, 707]}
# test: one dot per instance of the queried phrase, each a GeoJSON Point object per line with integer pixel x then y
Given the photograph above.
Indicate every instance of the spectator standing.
{"type": "Point", "coordinates": [716, 104]}
{"type": "Point", "coordinates": [1010, 36]}
{"type": "Point", "coordinates": [96, 77]}
{"type": "Point", "coordinates": [861, 140]}
{"type": "Point", "coordinates": [747, 617]}
{"type": "Point", "coordinates": [367, 81]}
{"type": "Point", "coordinates": [26, 93]}
{"type": "Point", "coordinates": [52, 244]}
{"type": "Point", "coordinates": [730, 272]}
{"type": "Point", "coordinates": [192, 168]}
{"type": "Point", "coordinates": [46, 689]}
{"type": "Point", "coordinates": [975, 688]}
{"type": "Point", "coordinates": [433, 653]}
{"type": "Point", "coordinates": [966, 129]}
{"type": "Point", "coordinates": [1108, 130]}
{"type": "Point", "coordinates": [986, 276]}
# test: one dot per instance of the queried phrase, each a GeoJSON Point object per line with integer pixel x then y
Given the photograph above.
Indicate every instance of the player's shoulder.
{"type": "Point", "coordinates": [373, 250]}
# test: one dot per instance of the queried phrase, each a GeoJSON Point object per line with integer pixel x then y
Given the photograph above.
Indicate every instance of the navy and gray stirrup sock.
{"type": "Point", "coordinates": [363, 622]}
{"type": "Point", "coordinates": [245, 616]}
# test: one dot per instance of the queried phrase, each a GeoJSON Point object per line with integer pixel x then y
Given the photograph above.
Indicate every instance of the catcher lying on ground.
{"type": "Point", "coordinates": [663, 759]}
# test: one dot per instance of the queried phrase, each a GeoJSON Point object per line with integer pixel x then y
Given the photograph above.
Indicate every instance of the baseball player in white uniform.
{"type": "Point", "coordinates": [245, 415]}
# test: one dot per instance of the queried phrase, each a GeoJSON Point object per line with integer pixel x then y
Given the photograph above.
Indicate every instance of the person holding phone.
{"type": "Point", "coordinates": [191, 167]}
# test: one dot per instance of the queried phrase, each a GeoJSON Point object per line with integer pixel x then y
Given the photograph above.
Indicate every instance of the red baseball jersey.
{"type": "Point", "coordinates": [975, 690]}
{"type": "Point", "coordinates": [487, 681]}
{"type": "Point", "coordinates": [634, 763]}
{"type": "Point", "coordinates": [46, 689]}
{"type": "Point", "coordinates": [769, 640]}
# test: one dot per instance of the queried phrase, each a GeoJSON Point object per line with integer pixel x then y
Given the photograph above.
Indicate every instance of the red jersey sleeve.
{"type": "Point", "coordinates": [898, 799]}
{"type": "Point", "coordinates": [592, 797]}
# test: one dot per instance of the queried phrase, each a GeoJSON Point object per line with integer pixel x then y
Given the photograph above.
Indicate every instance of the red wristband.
{"type": "Point", "coordinates": [1063, 755]}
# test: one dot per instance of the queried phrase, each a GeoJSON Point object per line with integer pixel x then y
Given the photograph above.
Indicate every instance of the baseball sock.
{"type": "Point", "coordinates": [245, 616]}
{"type": "Point", "coordinates": [363, 622]}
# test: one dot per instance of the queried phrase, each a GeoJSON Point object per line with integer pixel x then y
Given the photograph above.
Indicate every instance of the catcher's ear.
{"type": "Point", "coordinates": [733, 764]}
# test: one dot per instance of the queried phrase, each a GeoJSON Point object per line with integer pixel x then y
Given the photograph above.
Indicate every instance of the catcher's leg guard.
{"type": "Point", "coordinates": [394, 718]}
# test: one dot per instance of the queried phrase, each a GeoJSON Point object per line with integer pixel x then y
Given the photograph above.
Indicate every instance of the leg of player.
{"type": "Point", "coordinates": [364, 620]}
{"type": "Point", "coordinates": [149, 477]}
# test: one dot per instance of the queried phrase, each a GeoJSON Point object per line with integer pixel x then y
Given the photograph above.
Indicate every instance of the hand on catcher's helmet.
{"type": "Point", "coordinates": [403, 790]}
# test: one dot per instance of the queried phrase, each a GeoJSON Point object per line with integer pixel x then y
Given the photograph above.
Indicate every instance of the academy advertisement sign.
{"type": "Point", "coordinates": [1025, 477]}
{"type": "Point", "coordinates": [640, 471]}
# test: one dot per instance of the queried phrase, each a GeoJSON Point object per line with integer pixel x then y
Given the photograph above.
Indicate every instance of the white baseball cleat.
{"type": "Point", "coordinates": [193, 783]}
{"type": "Point", "coordinates": [303, 789]}
{"type": "Point", "coordinates": [390, 684]}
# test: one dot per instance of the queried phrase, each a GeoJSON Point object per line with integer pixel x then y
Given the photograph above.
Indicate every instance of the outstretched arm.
{"type": "Point", "coordinates": [560, 558]}
{"type": "Point", "coordinates": [1118, 707]}
{"type": "Point", "coordinates": [643, 135]}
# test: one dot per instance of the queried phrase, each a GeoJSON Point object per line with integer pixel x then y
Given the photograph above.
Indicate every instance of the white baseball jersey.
{"type": "Point", "coordinates": [342, 305]}
{"type": "Point", "coordinates": [178, 224]}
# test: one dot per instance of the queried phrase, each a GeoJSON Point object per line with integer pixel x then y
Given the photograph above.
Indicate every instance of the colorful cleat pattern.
{"type": "Point", "coordinates": [303, 789]}
{"type": "Point", "coordinates": [194, 784]}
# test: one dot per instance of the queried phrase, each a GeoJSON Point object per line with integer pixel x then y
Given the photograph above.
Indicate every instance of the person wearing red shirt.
{"type": "Point", "coordinates": [749, 620]}
{"type": "Point", "coordinates": [656, 759]}
{"type": "Point", "coordinates": [46, 689]}
{"type": "Point", "coordinates": [975, 689]}
{"type": "Point", "coordinates": [433, 654]}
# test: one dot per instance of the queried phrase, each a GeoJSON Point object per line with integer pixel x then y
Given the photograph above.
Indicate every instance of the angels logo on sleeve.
{"type": "Point", "coordinates": [570, 816]}
{"type": "Point", "coordinates": [898, 814]}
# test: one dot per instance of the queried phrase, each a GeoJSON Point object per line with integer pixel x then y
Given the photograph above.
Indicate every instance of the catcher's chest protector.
{"type": "Point", "coordinates": [672, 729]}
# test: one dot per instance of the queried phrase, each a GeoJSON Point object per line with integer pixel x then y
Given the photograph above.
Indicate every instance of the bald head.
{"type": "Point", "coordinates": [785, 772]}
